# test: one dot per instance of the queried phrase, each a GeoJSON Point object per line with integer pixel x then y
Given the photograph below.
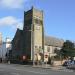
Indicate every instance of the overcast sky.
{"type": "Point", "coordinates": [59, 17]}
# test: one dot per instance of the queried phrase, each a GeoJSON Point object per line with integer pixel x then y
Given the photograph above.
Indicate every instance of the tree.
{"type": "Point", "coordinates": [68, 49]}
{"type": "Point", "coordinates": [58, 54]}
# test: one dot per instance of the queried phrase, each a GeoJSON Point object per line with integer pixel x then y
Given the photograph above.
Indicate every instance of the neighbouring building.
{"type": "Point", "coordinates": [52, 44]}
{"type": "Point", "coordinates": [0, 44]}
{"type": "Point", "coordinates": [0, 38]}
{"type": "Point", "coordinates": [6, 46]}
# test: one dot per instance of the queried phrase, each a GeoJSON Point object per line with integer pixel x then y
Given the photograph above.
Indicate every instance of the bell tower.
{"type": "Point", "coordinates": [34, 32]}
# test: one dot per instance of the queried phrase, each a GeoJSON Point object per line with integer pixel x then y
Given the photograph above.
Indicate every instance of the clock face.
{"type": "Point", "coordinates": [37, 27]}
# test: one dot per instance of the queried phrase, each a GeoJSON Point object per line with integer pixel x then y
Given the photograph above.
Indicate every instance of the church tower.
{"type": "Point", "coordinates": [33, 32]}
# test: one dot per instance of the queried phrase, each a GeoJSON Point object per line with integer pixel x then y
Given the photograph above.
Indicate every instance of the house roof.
{"type": "Point", "coordinates": [52, 41]}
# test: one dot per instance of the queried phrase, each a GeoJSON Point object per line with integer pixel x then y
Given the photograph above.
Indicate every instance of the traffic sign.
{"type": "Point", "coordinates": [24, 57]}
{"type": "Point", "coordinates": [46, 56]}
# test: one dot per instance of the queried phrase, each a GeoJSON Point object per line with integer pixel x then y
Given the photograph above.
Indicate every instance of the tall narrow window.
{"type": "Point", "coordinates": [48, 49]}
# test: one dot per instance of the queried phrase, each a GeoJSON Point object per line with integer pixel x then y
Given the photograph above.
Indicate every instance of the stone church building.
{"type": "Point", "coordinates": [31, 40]}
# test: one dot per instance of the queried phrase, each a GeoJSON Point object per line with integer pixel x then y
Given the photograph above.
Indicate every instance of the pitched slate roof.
{"type": "Point", "coordinates": [52, 41]}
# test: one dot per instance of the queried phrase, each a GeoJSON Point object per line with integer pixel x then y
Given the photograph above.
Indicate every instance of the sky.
{"type": "Point", "coordinates": [59, 17]}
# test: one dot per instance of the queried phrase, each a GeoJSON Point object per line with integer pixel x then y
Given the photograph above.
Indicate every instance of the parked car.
{"type": "Point", "coordinates": [70, 64]}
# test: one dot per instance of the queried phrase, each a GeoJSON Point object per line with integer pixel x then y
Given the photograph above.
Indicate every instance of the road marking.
{"type": "Point", "coordinates": [15, 74]}
{"type": "Point", "coordinates": [1, 70]}
{"type": "Point", "coordinates": [65, 70]}
{"type": "Point", "coordinates": [36, 72]}
{"type": "Point", "coordinates": [31, 71]}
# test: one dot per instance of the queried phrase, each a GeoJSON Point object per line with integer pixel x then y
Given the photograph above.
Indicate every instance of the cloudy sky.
{"type": "Point", "coordinates": [59, 17]}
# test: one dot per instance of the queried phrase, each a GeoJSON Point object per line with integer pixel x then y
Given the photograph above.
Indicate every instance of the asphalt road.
{"type": "Point", "coordinates": [15, 69]}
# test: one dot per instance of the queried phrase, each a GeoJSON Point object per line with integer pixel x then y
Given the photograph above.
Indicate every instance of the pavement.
{"type": "Point", "coordinates": [54, 68]}
{"type": "Point", "coordinates": [45, 66]}
{"type": "Point", "coordinates": [49, 67]}
{"type": "Point", "coordinates": [16, 69]}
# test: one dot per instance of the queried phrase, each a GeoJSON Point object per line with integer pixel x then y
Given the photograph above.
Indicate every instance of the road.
{"type": "Point", "coordinates": [15, 69]}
